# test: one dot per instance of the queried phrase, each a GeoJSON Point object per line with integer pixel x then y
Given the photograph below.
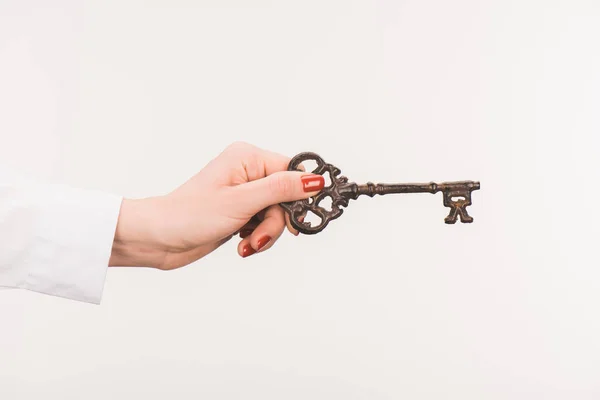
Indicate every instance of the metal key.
{"type": "Point", "coordinates": [457, 195]}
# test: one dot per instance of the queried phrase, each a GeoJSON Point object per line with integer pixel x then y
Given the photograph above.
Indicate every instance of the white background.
{"type": "Point", "coordinates": [134, 97]}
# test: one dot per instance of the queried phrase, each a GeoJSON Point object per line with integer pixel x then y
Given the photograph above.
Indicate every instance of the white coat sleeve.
{"type": "Point", "coordinates": [55, 239]}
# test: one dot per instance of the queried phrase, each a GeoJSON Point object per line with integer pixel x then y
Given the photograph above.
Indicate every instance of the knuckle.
{"type": "Point", "coordinates": [239, 146]}
{"type": "Point", "coordinates": [253, 165]}
{"type": "Point", "coordinates": [164, 267]}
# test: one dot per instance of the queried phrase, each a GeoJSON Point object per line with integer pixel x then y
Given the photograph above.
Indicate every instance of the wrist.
{"type": "Point", "coordinates": [136, 241]}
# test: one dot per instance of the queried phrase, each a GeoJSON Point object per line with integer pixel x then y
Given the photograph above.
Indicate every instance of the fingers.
{"type": "Point", "coordinates": [265, 234]}
{"type": "Point", "coordinates": [289, 226]}
{"type": "Point", "coordinates": [279, 187]}
{"type": "Point", "coordinates": [257, 162]}
{"type": "Point", "coordinates": [267, 182]}
{"type": "Point", "coordinates": [249, 227]}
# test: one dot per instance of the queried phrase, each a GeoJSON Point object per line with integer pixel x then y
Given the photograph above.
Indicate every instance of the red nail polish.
{"type": "Point", "coordinates": [247, 251]}
{"type": "Point", "coordinates": [313, 183]}
{"type": "Point", "coordinates": [244, 233]}
{"type": "Point", "coordinates": [262, 242]}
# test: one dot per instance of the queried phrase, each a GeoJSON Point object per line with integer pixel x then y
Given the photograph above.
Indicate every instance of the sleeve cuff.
{"type": "Point", "coordinates": [73, 233]}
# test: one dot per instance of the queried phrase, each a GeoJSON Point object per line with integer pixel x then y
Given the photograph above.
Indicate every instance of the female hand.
{"type": "Point", "coordinates": [236, 193]}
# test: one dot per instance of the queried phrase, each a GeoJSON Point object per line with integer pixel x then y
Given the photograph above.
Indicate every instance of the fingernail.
{"type": "Point", "coordinates": [244, 233]}
{"type": "Point", "coordinates": [262, 242]}
{"type": "Point", "coordinates": [247, 251]}
{"type": "Point", "coordinates": [313, 183]}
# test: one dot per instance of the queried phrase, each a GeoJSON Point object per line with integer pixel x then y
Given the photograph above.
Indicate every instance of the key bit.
{"type": "Point", "coordinates": [456, 195]}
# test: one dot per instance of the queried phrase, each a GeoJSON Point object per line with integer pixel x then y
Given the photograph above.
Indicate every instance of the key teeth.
{"type": "Point", "coordinates": [452, 221]}
{"type": "Point", "coordinates": [449, 220]}
{"type": "Point", "coordinates": [453, 217]}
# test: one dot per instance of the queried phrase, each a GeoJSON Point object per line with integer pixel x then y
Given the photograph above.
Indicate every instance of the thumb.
{"type": "Point", "coordinates": [279, 187]}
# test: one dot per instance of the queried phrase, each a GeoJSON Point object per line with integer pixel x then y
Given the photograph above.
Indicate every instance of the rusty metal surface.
{"type": "Point", "coordinates": [456, 195]}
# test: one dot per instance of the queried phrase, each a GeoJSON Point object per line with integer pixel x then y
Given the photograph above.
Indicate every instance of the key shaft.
{"type": "Point", "coordinates": [353, 190]}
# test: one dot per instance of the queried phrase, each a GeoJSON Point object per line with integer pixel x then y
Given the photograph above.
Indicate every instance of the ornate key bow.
{"type": "Point", "coordinates": [457, 195]}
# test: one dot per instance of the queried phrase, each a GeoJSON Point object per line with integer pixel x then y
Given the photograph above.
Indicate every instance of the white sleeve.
{"type": "Point", "coordinates": [55, 239]}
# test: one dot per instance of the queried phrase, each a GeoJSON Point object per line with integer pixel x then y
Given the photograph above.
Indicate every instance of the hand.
{"type": "Point", "coordinates": [236, 193]}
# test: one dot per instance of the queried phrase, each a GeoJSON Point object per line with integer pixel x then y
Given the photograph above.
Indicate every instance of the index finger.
{"type": "Point", "coordinates": [259, 163]}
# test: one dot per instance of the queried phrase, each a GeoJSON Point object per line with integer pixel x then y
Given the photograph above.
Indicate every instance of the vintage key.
{"type": "Point", "coordinates": [457, 195]}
